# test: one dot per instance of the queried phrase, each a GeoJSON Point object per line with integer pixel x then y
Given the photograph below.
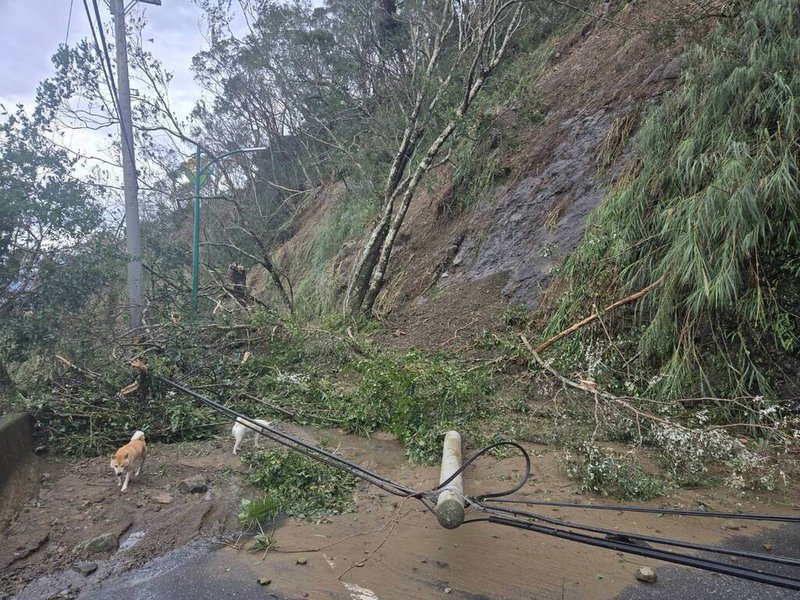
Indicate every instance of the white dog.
{"type": "Point", "coordinates": [240, 430]}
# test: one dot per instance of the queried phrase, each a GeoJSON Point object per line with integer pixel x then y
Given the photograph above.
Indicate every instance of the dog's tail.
{"type": "Point", "coordinates": [139, 435]}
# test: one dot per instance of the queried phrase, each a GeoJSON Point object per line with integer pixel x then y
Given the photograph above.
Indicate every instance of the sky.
{"type": "Point", "coordinates": [31, 31]}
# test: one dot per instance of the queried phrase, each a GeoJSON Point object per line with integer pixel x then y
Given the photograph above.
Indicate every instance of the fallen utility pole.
{"type": "Point", "coordinates": [450, 504]}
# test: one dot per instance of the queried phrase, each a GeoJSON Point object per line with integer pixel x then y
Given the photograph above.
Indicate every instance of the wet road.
{"type": "Point", "coordinates": [201, 572]}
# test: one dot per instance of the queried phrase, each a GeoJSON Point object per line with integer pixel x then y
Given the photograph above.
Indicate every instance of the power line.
{"type": "Point", "coordinates": [305, 448]}
{"type": "Point", "coordinates": [126, 135]}
{"type": "Point", "coordinates": [659, 511]}
{"type": "Point", "coordinates": [673, 557]}
{"type": "Point", "coordinates": [69, 22]}
{"type": "Point", "coordinates": [635, 538]}
{"type": "Point", "coordinates": [105, 55]}
{"type": "Point", "coordinates": [629, 543]}
{"type": "Point", "coordinates": [106, 75]}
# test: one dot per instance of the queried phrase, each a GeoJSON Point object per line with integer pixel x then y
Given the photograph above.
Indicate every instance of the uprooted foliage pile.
{"type": "Point", "coordinates": [265, 366]}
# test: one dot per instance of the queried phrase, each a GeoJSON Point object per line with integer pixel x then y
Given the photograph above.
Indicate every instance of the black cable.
{"type": "Point", "coordinates": [69, 22]}
{"type": "Point", "coordinates": [290, 441]}
{"type": "Point", "coordinates": [477, 455]}
{"type": "Point", "coordinates": [106, 75]}
{"type": "Point", "coordinates": [126, 135]}
{"type": "Point", "coordinates": [783, 560]}
{"type": "Point", "coordinates": [659, 511]}
{"type": "Point", "coordinates": [105, 55]}
{"type": "Point", "coordinates": [672, 557]}
{"type": "Point", "coordinates": [498, 515]}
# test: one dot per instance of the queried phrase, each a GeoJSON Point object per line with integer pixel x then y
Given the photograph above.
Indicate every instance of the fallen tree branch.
{"type": "Point", "coordinates": [590, 319]}
{"type": "Point", "coordinates": [72, 365]}
{"type": "Point", "coordinates": [591, 388]}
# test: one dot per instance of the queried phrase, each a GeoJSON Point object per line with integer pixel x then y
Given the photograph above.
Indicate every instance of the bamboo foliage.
{"type": "Point", "coordinates": [713, 211]}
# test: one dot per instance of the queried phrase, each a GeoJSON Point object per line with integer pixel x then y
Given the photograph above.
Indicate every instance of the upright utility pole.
{"type": "Point", "coordinates": [133, 237]}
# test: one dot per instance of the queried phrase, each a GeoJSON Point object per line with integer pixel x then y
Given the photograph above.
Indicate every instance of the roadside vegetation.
{"type": "Point", "coordinates": [690, 383]}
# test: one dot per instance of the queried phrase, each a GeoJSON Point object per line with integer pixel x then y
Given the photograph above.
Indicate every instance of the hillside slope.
{"type": "Point", "coordinates": [578, 96]}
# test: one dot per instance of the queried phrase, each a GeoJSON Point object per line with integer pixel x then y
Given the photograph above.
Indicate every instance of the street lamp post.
{"type": "Point", "coordinates": [198, 172]}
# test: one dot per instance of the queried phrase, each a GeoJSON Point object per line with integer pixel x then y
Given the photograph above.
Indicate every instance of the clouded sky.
{"type": "Point", "coordinates": [31, 30]}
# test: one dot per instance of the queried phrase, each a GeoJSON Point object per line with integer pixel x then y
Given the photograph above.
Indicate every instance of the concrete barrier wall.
{"type": "Point", "coordinates": [16, 443]}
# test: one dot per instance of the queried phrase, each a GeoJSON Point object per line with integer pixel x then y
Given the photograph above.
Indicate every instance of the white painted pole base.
{"type": "Point", "coordinates": [450, 504]}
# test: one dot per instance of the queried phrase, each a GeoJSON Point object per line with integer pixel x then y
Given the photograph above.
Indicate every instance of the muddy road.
{"type": "Point", "coordinates": [79, 537]}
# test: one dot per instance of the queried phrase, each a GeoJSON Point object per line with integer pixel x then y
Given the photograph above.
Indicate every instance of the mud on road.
{"type": "Point", "coordinates": [386, 548]}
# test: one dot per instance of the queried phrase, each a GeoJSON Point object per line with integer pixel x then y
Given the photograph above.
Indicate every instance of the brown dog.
{"type": "Point", "coordinates": [122, 461]}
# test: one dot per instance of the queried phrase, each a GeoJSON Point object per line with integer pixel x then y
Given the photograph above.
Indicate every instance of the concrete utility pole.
{"type": "Point", "coordinates": [133, 236]}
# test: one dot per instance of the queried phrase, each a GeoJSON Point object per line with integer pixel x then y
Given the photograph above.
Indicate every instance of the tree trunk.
{"type": "Point", "coordinates": [370, 272]}
{"type": "Point", "coordinates": [378, 276]}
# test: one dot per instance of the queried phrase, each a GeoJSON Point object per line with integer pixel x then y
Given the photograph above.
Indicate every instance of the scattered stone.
{"type": "Point", "coordinates": [193, 485]}
{"type": "Point", "coordinates": [85, 569]}
{"type": "Point", "coordinates": [264, 581]}
{"type": "Point", "coordinates": [106, 542]}
{"type": "Point", "coordinates": [85, 504]}
{"type": "Point", "coordinates": [302, 560]}
{"type": "Point", "coordinates": [767, 547]}
{"type": "Point", "coordinates": [731, 526]}
{"type": "Point", "coordinates": [646, 575]}
{"type": "Point", "coordinates": [447, 590]}
{"type": "Point", "coordinates": [164, 498]}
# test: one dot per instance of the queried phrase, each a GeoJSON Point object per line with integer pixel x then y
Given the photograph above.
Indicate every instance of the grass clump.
{"type": "Point", "coordinates": [258, 511]}
{"type": "Point", "coordinates": [297, 486]}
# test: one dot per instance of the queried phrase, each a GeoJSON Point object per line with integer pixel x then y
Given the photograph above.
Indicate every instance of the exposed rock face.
{"type": "Point", "coordinates": [543, 217]}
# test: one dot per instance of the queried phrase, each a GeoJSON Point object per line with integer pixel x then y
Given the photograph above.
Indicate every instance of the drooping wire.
{"type": "Point", "coordinates": [305, 448]}
{"type": "Point", "coordinates": [672, 557]}
{"type": "Point", "coordinates": [523, 479]}
{"type": "Point", "coordinates": [621, 542]}
{"type": "Point", "coordinates": [69, 22]}
{"type": "Point", "coordinates": [659, 511]}
{"type": "Point", "coordinates": [126, 135]}
{"type": "Point", "coordinates": [636, 537]}
{"type": "Point", "coordinates": [108, 76]}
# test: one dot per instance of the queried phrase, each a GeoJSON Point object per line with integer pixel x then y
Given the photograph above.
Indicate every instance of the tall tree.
{"type": "Point", "coordinates": [48, 219]}
{"type": "Point", "coordinates": [454, 46]}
